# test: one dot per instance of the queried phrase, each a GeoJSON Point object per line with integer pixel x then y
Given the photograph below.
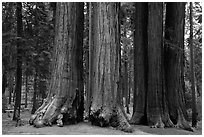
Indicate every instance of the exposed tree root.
{"type": "Point", "coordinates": [110, 117]}
{"type": "Point", "coordinates": [157, 123]}
{"type": "Point", "coordinates": [167, 121]}
{"type": "Point", "coordinates": [56, 110]}
{"type": "Point", "coordinates": [120, 122]}
{"type": "Point", "coordinates": [100, 117]}
{"type": "Point", "coordinates": [182, 123]}
{"type": "Point", "coordinates": [162, 121]}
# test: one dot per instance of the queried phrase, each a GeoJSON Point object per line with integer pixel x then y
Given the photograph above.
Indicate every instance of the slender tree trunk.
{"type": "Point", "coordinates": [14, 96]}
{"type": "Point", "coordinates": [194, 110]}
{"type": "Point", "coordinates": [126, 83]}
{"type": "Point", "coordinates": [92, 24]}
{"type": "Point", "coordinates": [10, 96]}
{"type": "Point", "coordinates": [175, 13]}
{"type": "Point", "coordinates": [10, 85]}
{"type": "Point", "coordinates": [64, 103]}
{"type": "Point", "coordinates": [105, 110]}
{"type": "Point", "coordinates": [129, 84]}
{"type": "Point", "coordinates": [86, 58]}
{"type": "Point", "coordinates": [35, 93]}
{"type": "Point", "coordinates": [4, 83]}
{"type": "Point", "coordinates": [26, 91]}
{"type": "Point", "coordinates": [126, 79]}
{"type": "Point", "coordinates": [17, 106]}
{"type": "Point", "coordinates": [125, 76]}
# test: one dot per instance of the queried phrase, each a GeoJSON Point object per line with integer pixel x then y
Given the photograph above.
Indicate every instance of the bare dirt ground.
{"type": "Point", "coordinates": [8, 128]}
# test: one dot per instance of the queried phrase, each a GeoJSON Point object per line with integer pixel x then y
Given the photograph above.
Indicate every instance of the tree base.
{"type": "Point", "coordinates": [161, 121]}
{"type": "Point", "coordinates": [57, 111]}
{"type": "Point", "coordinates": [138, 119]}
{"type": "Point", "coordinates": [110, 117]}
{"type": "Point", "coordinates": [182, 123]}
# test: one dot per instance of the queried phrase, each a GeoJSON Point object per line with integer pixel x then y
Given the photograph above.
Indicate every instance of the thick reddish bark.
{"type": "Point", "coordinates": [64, 103]}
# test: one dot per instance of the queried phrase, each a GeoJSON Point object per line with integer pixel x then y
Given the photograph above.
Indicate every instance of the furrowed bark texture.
{"type": "Point", "coordinates": [92, 39]}
{"type": "Point", "coordinates": [64, 103]}
{"type": "Point", "coordinates": [154, 82]}
{"type": "Point", "coordinates": [140, 63]}
{"type": "Point", "coordinates": [174, 33]}
{"type": "Point", "coordinates": [158, 97]}
{"type": "Point", "coordinates": [104, 108]}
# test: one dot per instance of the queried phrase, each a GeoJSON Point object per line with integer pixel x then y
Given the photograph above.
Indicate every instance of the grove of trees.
{"type": "Point", "coordinates": [113, 64]}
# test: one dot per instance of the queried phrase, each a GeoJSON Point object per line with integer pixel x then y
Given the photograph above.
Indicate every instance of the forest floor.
{"type": "Point", "coordinates": [8, 128]}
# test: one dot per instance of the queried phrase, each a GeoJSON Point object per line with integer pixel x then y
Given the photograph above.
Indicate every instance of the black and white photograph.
{"type": "Point", "coordinates": [101, 68]}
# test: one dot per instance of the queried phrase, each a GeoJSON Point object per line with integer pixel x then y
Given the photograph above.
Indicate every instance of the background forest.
{"type": "Point", "coordinates": [28, 52]}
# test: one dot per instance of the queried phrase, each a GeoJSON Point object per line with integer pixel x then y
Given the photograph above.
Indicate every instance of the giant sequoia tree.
{"type": "Point", "coordinates": [174, 36]}
{"type": "Point", "coordinates": [149, 104]}
{"type": "Point", "coordinates": [158, 67]}
{"type": "Point", "coordinates": [105, 110]}
{"type": "Point", "coordinates": [140, 63]}
{"type": "Point", "coordinates": [64, 100]}
{"type": "Point", "coordinates": [158, 70]}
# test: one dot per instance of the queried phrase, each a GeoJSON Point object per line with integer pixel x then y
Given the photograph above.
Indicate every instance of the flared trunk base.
{"type": "Point", "coordinates": [114, 117]}
{"type": "Point", "coordinates": [57, 111]}
{"type": "Point", "coordinates": [160, 121]}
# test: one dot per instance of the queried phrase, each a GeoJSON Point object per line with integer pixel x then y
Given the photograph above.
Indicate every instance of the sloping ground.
{"type": "Point", "coordinates": [8, 127]}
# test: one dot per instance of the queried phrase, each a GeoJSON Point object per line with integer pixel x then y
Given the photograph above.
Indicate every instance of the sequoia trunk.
{"type": "Point", "coordinates": [140, 63]}
{"type": "Point", "coordinates": [104, 108]}
{"type": "Point", "coordinates": [157, 73]}
{"type": "Point", "coordinates": [154, 53]}
{"type": "Point", "coordinates": [64, 103]}
{"type": "Point", "coordinates": [174, 33]}
{"type": "Point", "coordinates": [149, 97]}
